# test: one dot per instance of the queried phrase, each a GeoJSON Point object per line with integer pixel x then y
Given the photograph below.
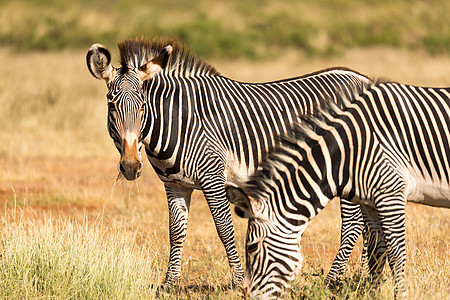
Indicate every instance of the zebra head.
{"type": "Point", "coordinates": [273, 257]}
{"type": "Point", "coordinates": [127, 109]}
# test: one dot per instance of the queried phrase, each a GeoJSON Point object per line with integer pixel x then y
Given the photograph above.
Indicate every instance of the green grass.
{"type": "Point", "coordinates": [250, 29]}
{"type": "Point", "coordinates": [65, 258]}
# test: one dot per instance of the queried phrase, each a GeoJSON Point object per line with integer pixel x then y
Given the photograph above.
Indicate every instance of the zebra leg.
{"type": "Point", "coordinates": [214, 191]}
{"type": "Point", "coordinates": [391, 212]}
{"type": "Point", "coordinates": [179, 200]}
{"type": "Point", "coordinates": [374, 243]}
{"type": "Point", "coordinates": [352, 226]}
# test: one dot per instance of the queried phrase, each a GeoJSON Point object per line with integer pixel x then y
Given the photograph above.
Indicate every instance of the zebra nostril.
{"type": "Point", "coordinates": [131, 169]}
{"type": "Point", "coordinates": [243, 292]}
{"type": "Point", "coordinates": [139, 169]}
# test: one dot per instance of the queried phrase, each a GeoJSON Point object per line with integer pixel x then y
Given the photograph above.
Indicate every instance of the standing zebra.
{"type": "Point", "coordinates": [199, 128]}
{"type": "Point", "coordinates": [389, 145]}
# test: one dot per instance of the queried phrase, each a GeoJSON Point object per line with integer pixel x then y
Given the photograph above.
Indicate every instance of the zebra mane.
{"type": "Point", "coordinates": [303, 134]}
{"type": "Point", "coordinates": [136, 52]}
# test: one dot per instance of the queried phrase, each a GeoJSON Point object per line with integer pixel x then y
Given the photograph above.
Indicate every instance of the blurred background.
{"type": "Point", "coordinates": [230, 29]}
{"type": "Point", "coordinates": [46, 92]}
{"type": "Point", "coordinates": [56, 155]}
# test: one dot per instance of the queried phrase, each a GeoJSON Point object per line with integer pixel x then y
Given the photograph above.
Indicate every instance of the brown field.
{"type": "Point", "coordinates": [56, 159]}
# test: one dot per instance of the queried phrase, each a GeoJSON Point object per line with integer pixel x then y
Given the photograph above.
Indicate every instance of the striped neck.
{"type": "Point", "coordinates": [318, 162]}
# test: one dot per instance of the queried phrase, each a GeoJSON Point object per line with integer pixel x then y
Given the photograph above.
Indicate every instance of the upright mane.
{"type": "Point", "coordinates": [136, 52]}
{"type": "Point", "coordinates": [302, 133]}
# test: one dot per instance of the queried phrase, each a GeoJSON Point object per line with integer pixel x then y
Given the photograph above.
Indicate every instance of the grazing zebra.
{"type": "Point", "coordinates": [389, 145]}
{"type": "Point", "coordinates": [200, 129]}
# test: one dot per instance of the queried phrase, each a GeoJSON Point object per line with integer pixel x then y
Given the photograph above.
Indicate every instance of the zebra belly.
{"type": "Point", "coordinates": [236, 172]}
{"type": "Point", "coordinates": [181, 178]}
{"type": "Point", "coordinates": [428, 193]}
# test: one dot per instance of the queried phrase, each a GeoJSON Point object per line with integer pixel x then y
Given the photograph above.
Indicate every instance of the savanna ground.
{"type": "Point", "coordinates": [62, 208]}
{"type": "Point", "coordinates": [70, 229]}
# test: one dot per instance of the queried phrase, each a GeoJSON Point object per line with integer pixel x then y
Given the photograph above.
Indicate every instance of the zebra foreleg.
{"type": "Point", "coordinates": [214, 191]}
{"type": "Point", "coordinates": [352, 226]}
{"type": "Point", "coordinates": [179, 200]}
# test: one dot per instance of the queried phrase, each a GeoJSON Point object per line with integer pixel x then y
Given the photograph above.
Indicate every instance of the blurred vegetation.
{"type": "Point", "coordinates": [251, 29]}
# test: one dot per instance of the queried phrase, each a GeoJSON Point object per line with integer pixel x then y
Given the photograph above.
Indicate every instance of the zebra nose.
{"type": "Point", "coordinates": [246, 289]}
{"type": "Point", "coordinates": [130, 169]}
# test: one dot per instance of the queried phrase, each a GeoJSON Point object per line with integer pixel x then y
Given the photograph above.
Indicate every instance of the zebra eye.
{"type": "Point", "coordinates": [252, 247]}
{"type": "Point", "coordinates": [109, 96]}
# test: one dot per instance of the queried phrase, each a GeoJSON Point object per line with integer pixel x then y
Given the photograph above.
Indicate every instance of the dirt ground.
{"type": "Point", "coordinates": [80, 188]}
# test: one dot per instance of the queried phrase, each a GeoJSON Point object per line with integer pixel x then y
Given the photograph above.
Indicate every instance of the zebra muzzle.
{"type": "Point", "coordinates": [130, 169]}
{"type": "Point", "coordinates": [130, 164]}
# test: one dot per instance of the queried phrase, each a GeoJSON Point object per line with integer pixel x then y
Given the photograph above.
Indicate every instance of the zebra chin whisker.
{"type": "Point", "coordinates": [119, 177]}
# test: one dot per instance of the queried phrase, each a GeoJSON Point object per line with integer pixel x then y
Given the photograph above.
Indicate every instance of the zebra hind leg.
{"type": "Point", "coordinates": [393, 225]}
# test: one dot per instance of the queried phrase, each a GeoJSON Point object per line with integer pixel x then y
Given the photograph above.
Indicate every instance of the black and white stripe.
{"type": "Point", "coordinates": [201, 129]}
{"type": "Point", "coordinates": [390, 145]}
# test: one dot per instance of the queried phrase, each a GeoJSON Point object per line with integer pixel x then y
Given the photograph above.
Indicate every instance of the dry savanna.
{"type": "Point", "coordinates": [71, 228]}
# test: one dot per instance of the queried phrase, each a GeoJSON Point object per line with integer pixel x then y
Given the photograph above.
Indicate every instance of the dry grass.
{"type": "Point", "coordinates": [56, 159]}
{"type": "Point", "coordinates": [64, 258]}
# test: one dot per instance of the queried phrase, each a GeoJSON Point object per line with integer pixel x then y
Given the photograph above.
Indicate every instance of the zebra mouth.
{"type": "Point", "coordinates": [130, 170]}
{"type": "Point", "coordinates": [131, 177]}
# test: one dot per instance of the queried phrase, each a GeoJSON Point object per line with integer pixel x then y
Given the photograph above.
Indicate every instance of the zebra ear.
{"type": "Point", "coordinates": [156, 65]}
{"type": "Point", "coordinates": [243, 203]}
{"type": "Point", "coordinates": [98, 60]}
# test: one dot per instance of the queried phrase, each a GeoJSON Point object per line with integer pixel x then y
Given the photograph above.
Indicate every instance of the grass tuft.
{"type": "Point", "coordinates": [68, 259]}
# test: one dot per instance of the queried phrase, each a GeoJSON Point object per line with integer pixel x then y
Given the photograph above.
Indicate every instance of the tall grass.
{"type": "Point", "coordinates": [66, 259]}
{"type": "Point", "coordinates": [51, 106]}
{"type": "Point", "coordinates": [86, 257]}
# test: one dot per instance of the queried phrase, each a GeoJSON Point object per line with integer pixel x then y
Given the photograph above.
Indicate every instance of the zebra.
{"type": "Point", "coordinates": [386, 146]}
{"type": "Point", "coordinates": [199, 128]}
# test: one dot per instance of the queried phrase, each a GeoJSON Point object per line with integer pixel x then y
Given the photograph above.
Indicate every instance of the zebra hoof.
{"type": "Point", "coordinates": [170, 283]}
{"type": "Point", "coordinates": [333, 285]}
{"type": "Point", "coordinates": [237, 278]}
{"type": "Point", "coordinates": [164, 290]}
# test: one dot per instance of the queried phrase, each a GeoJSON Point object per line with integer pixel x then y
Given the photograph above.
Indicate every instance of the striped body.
{"type": "Point", "coordinates": [201, 129]}
{"type": "Point", "coordinates": [390, 145]}
{"type": "Point", "coordinates": [233, 124]}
